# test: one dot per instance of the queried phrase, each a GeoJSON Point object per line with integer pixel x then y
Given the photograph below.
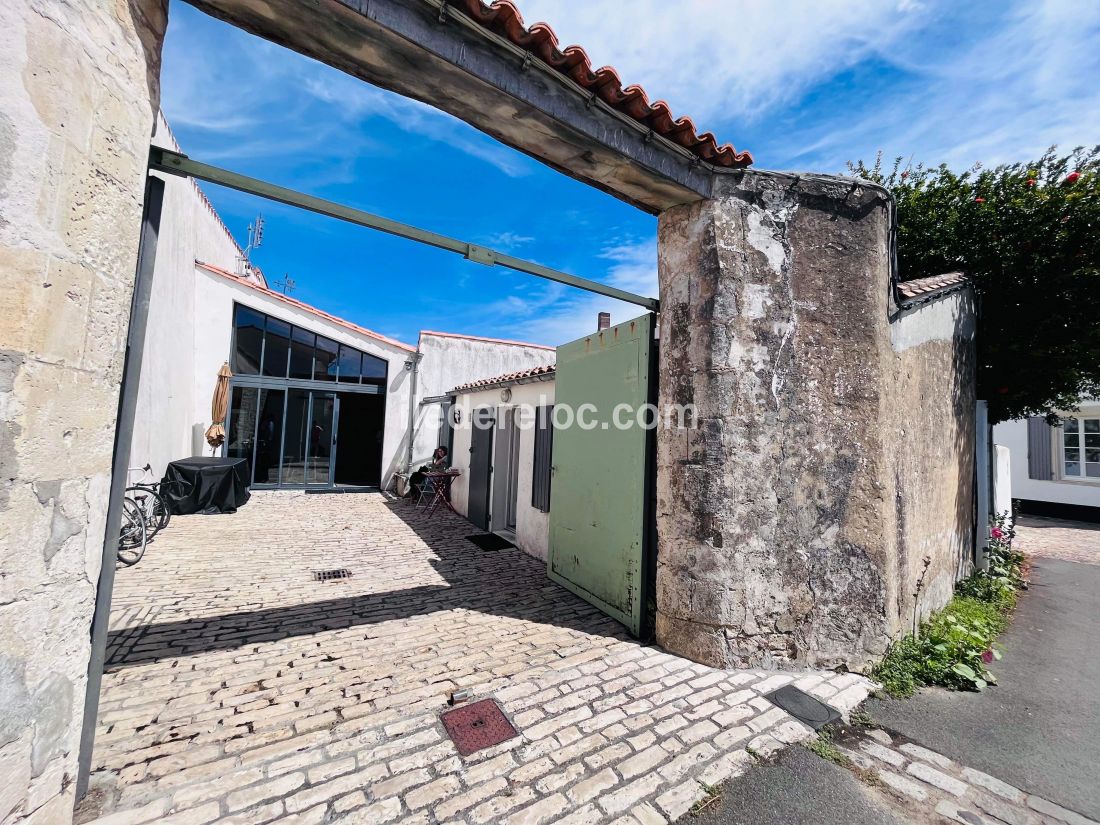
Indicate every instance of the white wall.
{"type": "Point", "coordinates": [215, 296]}
{"type": "Point", "coordinates": [450, 360]}
{"type": "Point", "coordinates": [1002, 480]}
{"type": "Point", "coordinates": [189, 229]}
{"type": "Point", "coordinates": [532, 526]}
{"type": "Point", "coordinates": [1013, 435]}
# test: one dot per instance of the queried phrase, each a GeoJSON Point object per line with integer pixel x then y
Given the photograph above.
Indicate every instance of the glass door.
{"type": "Point", "coordinates": [307, 438]}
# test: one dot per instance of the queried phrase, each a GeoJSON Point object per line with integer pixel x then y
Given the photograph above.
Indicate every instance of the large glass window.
{"type": "Point", "coordinates": [248, 341]}
{"type": "Point", "coordinates": [301, 354]}
{"type": "Point", "coordinates": [242, 424]}
{"type": "Point", "coordinates": [276, 349]}
{"type": "Point", "coordinates": [350, 361]}
{"type": "Point", "coordinates": [374, 370]}
{"type": "Point", "coordinates": [1081, 448]}
{"type": "Point", "coordinates": [325, 360]}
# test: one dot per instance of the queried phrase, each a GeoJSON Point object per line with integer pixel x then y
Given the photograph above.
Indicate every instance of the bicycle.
{"type": "Point", "coordinates": [149, 497]}
{"type": "Point", "coordinates": [133, 534]}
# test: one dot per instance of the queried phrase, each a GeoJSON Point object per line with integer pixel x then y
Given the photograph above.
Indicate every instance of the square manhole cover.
{"type": "Point", "coordinates": [803, 706]}
{"type": "Point", "coordinates": [477, 726]}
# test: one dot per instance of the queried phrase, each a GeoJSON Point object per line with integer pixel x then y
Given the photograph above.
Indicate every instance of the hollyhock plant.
{"type": "Point", "coordinates": [997, 533]}
{"type": "Point", "coordinates": [1072, 177]}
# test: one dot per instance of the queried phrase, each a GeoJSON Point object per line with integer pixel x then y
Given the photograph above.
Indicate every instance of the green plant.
{"type": "Point", "coordinates": [955, 646]}
{"type": "Point", "coordinates": [1025, 234]}
{"type": "Point", "coordinates": [823, 746]}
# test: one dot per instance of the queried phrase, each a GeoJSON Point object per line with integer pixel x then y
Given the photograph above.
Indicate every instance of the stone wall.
{"type": "Point", "coordinates": [791, 520]}
{"type": "Point", "coordinates": [78, 89]}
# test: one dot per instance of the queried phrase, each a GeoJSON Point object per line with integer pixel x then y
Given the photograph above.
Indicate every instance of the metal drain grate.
{"type": "Point", "coordinates": [331, 575]}
{"type": "Point", "coordinates": [477, 726]}
{"type": "Point", "coordinates": [803, 706]}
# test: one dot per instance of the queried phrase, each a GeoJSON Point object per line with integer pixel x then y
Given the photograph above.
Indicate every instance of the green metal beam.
{"type": "Point", "coordinates": [175, 163]}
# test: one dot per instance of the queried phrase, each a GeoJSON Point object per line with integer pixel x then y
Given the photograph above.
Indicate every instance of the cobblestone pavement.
{"type": "Point", "coordinates": [238, 689]}
{"type": "Point", "coordinates": [934, 787]}
{"type": "Point", "coordinates": [1053, 538]}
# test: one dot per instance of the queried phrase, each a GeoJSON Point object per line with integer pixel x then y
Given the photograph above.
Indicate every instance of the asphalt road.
{"type": "Point", "coordinates": [799, 788]}
{"type": "Point", "coordinates": [1039, 729]}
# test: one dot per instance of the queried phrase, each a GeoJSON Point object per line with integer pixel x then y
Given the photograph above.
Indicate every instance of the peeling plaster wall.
{"type": "Point", "coordinates": [78, 92]}
{"type": "Point", "coordinates": [778, 516]}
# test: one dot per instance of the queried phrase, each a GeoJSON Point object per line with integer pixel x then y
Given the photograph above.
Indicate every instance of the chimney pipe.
{"type": "Point", "coordinates": [603, 321]}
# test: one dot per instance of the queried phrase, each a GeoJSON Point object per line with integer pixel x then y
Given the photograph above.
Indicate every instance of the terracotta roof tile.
{"type": "Point", "coordinates": [294, 302]}
{"type": "Point", "coordinates": [925, 287]}
{"type": "Point", "coordinates": [503, 18]}
{"type": "Point", "coordinates": [508, 377]}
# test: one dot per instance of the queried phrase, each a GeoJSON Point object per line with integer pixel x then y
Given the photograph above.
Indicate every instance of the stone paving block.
{"type": "Point", "coordinates": [325, 699]}
{"type": "Point", "coordinates": [937, 778]}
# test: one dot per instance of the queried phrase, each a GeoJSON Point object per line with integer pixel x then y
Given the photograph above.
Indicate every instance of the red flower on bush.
{"type": "Point", "coordinates": [987, 656]}
{"type": "Point", "coordinates": [979, 200]}
{"type": "Point", "coordinates": [1072, 177]}
{"type": "Point", "coordinates": [997, 533]}
{"type": "Point", "coordinates": [1031, 181]}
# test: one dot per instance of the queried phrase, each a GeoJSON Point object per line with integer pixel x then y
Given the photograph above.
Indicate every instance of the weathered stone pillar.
{"type": "Point", "coordinates": [775, 515]}
{"type": "Point", "coordinates": [78, 91]}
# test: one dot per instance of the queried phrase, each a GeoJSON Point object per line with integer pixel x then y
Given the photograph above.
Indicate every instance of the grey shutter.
{"type": "Point", "coordinates": [1039, 463]}
{"type": "Point", "coordinates": [544, 448]}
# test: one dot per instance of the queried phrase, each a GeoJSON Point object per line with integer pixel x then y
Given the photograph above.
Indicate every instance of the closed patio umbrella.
{"type": "Point", "coordinates": [219, 405]}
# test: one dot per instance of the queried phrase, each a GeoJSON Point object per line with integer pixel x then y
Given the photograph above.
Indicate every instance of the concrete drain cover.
{"type": "Point", "coordinates": [477, 726]}
{"type": "Point", "coordinates": [803, 707]}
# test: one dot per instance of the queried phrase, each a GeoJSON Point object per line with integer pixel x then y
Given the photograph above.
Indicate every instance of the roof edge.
{"type": "Point", "coordinates": [294, 302]}
{"type": "Point", "coordinates": [528, 376]}
{"type": "Point", "coordinates": [424, 332]}
{"type": "Point", "coordinates": [931, 288]}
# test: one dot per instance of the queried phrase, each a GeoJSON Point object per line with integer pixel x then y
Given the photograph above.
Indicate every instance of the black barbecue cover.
{"type": "Point", "coordinates": [206, 484]}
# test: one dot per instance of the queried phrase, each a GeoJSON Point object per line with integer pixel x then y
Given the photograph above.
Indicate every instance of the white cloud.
{"type": "Point", "coordinates": [565, 314]}
{"type": "Point", "coordinates": [727, 60]}
{"type": "Point", "coordinates": [990, 82]}
{"type": "Point", "coordinates": [996, 97]}
{"type": "Point", "coordinates": [279, 103]}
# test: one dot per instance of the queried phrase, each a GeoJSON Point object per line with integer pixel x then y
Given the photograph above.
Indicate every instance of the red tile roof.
{"type": "Point", "coordinates": [507, 378]}
{"type": "Point", "coordinates": [286, 299]}
{"type": "Point", "coordinates": [424, 332]}
{"type": "Point", "coordinates": [928, 287]}
{"type": "Point", "coordinates": [503, 18]}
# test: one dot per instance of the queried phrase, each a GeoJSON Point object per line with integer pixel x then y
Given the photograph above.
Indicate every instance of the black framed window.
{"type": "Point", "coordinates": [326, 357]}
{"type": "Point", "coordinates": [267, 346]}
{"type": "Point", "coordinates": [302, 342]}
{"type": "Point", "coordinates": [350, 365]}
{"type": "Point", "coordinates": [248, 341]}
{"type": "Point", "coordinates": [276, 347]}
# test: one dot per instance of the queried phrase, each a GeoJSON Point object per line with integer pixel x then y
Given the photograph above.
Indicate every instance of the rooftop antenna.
{"type": "Point", "coordinates": [255, 240]}
{"type": "Point", "coordinates": [287, 284]}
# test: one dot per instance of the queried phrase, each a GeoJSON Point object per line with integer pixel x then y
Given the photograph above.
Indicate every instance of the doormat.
{"type": "Point", "coordinates": [803, 706]}
{"type": "Point", "coordinates": [490, 541]}
{"type": "Point", "coordinates": [477, 726]}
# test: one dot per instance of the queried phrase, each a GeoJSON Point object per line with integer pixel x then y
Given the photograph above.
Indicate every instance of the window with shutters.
{"type": "Point", "coordinates": [544, 446]}
{"type": "Point", "coordinates": [1081, 448]}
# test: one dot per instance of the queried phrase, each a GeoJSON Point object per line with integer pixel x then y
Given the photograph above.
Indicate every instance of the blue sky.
{"type": "Point", "coordinates": [803, 84]}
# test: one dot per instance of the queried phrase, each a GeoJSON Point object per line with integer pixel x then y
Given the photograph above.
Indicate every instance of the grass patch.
{"type": "Point", "coordinates": [824, 747]}
{"type": "Point", "coordinates": [711, 793]}
{"type": "Point", "coordinates": [954, 646]}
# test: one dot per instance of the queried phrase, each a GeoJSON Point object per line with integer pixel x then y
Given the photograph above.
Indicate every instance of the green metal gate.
{"type": "Point", "coordinates": [601, 515]}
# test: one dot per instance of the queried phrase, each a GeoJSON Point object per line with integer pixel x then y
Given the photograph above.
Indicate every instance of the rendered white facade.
{"type": "Point", "coordinates": [532, 533]}
{"type": "Point", "coordinates": [190, 336]}
{"type": "Point", "coordinates": [1060, 489]}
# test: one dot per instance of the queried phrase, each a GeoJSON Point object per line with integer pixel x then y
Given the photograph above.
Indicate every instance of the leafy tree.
{"type": "Point", "coordinates": [1028, 236]}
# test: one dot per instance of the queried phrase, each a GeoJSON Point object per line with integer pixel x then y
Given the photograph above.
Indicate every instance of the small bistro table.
{"type": "Point", "coordinates": [441, 482]}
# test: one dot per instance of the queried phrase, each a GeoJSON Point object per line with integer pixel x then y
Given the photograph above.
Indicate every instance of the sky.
{"type": "Point", "coordinates": [805, 85]}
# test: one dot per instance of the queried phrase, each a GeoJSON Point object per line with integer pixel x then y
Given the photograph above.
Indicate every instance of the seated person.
{"type": "Point", "coordinates": [437, 464]}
